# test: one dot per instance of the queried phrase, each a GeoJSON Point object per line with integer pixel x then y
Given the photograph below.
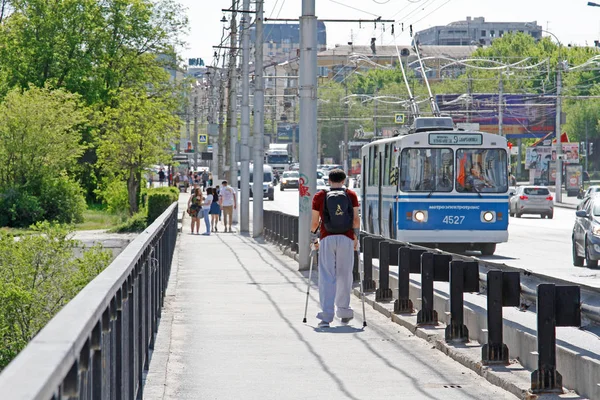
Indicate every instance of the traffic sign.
{"type": "Point", "coordinates": [203, 138]}
{"type": "Point", "coordinates": [209, 148]}
{"type": "Point", "coordinates": [399, 118]}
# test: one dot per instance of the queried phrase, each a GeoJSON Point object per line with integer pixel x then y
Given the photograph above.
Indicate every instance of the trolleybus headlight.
{"type": "Point", "coordinates": [420, 216]}
{"type": "Point", "coordinates": [488, 216]}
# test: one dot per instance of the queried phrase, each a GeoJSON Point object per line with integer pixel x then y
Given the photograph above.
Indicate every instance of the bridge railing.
{"type": "Point", "coordinates": [98, 345]}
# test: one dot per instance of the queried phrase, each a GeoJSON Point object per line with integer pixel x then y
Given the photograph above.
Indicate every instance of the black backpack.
{"type": "Point", "coordinates": [338, 213]}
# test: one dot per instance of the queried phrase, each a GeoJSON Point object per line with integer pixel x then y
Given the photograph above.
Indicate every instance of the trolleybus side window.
{"type": "Point", "coordinates": [481, 170]}
{"type": "Point", "coordinates": [426, 170]}
{"type": "Point", "coordinates": [386, 166]}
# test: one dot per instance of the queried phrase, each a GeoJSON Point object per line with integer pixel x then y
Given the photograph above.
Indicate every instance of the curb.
{"type": "Point", "coordinates": [513, 378]}
{"type": "Point", "coordinates": [566, 205]}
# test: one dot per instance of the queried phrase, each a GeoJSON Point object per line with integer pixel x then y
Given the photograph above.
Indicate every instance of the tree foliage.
{"type": "Point", "coordinates": [137, 130]}
{"type": "Point", "coordinates": [39, 274]}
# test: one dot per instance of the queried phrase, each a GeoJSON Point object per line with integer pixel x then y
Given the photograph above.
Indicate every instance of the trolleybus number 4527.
{"type": "Point", "coordinates": [453, 219]}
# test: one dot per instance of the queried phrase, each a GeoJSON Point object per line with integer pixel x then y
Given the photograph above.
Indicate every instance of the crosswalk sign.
{"type": "Point", "coordinates": [203, 138]}
{"type": "Point", "coordinates": [399, 118]}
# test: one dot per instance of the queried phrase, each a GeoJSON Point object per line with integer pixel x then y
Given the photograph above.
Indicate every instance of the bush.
{"type": "Point", "coordinates": [159, 200]}
{"type": "Point", "coordinates": [62, 200]}
{"type": "Point", "coordinates": [137, 223]}
{"type": "Point", "coordinates": [113, 193]}
{"type": "Point", "coordinates": [19, 208]}
{"type": "Point", "coordinates": [39, 274]}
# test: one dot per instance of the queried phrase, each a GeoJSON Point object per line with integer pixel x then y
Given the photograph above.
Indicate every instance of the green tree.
{"type": "Point", "coordinates": [39, 274]}
{"type": "Point", "coordinates": [137, 132]}
{"type": "Point", "coordinates": [39, 134]}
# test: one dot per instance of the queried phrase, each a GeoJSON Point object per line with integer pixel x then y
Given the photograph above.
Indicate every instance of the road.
{"type": "Point", "coordinates": [540, 245]}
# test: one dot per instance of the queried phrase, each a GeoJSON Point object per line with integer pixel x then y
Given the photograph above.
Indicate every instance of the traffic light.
{"type": "Point", "coordinates": [591, 146]}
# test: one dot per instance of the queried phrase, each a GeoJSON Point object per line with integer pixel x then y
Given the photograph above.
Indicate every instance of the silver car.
{"type": "Point", "coordinates": [532, 200]}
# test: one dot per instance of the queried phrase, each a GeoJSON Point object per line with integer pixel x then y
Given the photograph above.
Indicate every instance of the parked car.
{"type": "Point", "coordinates": [532, 200]}
{"type": "Point", "coordinates": [586, 233]}
{"type": "Point", "coordinates": [289, 179]}
{"type": "Point", "coordinates": [321, 185]}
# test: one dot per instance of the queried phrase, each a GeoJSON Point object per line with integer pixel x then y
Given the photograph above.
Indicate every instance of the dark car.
{"type": "Point", "coordinates": [586, 233]}
{"type": "Point", "coordinates": [289, 179]}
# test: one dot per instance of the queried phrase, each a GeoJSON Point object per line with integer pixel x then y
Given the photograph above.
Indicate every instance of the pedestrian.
{"type": "Point", "coordinates": [195, 208]}
{"type": "Point", "coordinates": [215, 210]}
{"type": "Point", "coordinates": [161, 177]}
{"type": "Point", "coordinates": [218, 190]}
{"type": "Point", "coordinates": [335, 211]}
{"type": "Point", "coordinates": [206, 204]}
{"type": "Point", "coordinates": [228, 204]}
{"type": "Point", "coordinates": [204, 179]}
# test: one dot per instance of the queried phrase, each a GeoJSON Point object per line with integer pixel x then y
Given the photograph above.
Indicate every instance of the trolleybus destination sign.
{"type": "Point", "coordinates": [455, 139]}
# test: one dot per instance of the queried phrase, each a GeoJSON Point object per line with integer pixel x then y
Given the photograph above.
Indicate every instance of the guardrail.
{"type": "Point", "coordinates": [281, 228]}
{"type": "Point", "coordinates": [98, 345]}
{"type": "Point", "coordinates": [561, 303]}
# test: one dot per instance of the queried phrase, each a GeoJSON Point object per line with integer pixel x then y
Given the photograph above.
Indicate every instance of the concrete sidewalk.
{"type": "Point", "coordinates": [231, 329]}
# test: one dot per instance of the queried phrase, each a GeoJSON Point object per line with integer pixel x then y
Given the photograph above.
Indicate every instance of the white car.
{"type": "Point", "coordinates": [321, 185]}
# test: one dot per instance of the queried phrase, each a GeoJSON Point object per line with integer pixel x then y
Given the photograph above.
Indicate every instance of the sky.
{"type": "Point", "coordinates": [572, 21]}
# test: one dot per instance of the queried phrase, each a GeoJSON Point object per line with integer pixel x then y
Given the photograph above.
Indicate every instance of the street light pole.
{"type": "Point", "coordinates": [308, 126]}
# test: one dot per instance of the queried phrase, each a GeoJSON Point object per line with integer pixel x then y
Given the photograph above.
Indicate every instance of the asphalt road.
{"type": "Point", "coordinates": [540, 245]}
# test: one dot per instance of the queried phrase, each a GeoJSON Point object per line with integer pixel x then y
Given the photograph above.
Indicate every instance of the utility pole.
{"type": "Point", "coordinates": [587, 147]}
{"type": "Point", "coordinates": [274, 110]}
{"type": "Point", "coordinates": [308, 127]}
{"type": "Point", "coordinates": [259, 121]}
{"type": "Point", "coordinates": [558, 138]}
{"type": "Point", "coordinates": [319, 151]}
{"type": "Point", "coordinates": [500, 108]}
{"type": "Point", "coordinates": [231, 112]}
{"type": "Point", "coordinates": [244, 151]}
{"type": "Point", "coordinates": [215, 118]}
{"type": "Point", "coordinates": [470, 93]}
{"type": "Point", "coordinates": [345, 147]}
{"type": "Point", "coordinates": [375, 112]}
{"type": "Point", "coordinates": [221, 147]}
{"type": "Point", "coordinates": [195, 127]}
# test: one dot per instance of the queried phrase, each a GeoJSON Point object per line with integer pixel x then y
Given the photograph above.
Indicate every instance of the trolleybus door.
{"type": "Point", "coordinates": [380, 202]}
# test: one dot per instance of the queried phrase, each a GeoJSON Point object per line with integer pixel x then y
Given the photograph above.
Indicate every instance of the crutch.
{"type": "Point", "coordinates": [312, 260]}
{"type": "Point", "coordinates": [361, 270]}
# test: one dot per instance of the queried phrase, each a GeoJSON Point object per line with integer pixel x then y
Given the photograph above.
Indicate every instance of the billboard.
{"type": "Point", "coordinates": [356, 167]}
{"type": "Point", "coordinates": [523, 115]}
{"type": "Point", "coordinates": [286, 132]}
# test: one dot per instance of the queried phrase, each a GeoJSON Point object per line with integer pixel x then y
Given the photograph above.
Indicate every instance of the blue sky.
{"type": "Point", "coordinates": [571, 20]}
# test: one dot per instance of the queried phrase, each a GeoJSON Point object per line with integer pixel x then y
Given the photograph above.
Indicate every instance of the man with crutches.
{"type": "Point", "coordinates": [335, 211]}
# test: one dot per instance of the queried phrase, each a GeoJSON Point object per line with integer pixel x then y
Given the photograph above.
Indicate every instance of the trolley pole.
{"type": "Point", "coordinates": [308, 126]}
{"type": "Point", "coordinates": [259, 121]}
{"type": "Point", "coordinates": [500, 109]}
{"type": "Point", "coordinates": [244, 151]}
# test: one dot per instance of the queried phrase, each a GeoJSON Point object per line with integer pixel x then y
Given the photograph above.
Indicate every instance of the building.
{"type": "Point", "coordinates": [474, 31]}
{"type": "Point", "coordinates": [282, 41]}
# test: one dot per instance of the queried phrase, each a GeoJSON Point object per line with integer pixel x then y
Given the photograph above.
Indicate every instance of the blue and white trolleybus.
{"type": "Point", "coordinates": [437, 186]}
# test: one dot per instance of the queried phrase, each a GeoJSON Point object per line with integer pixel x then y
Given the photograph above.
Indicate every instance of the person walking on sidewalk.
{"type": "Point", "coordinates": [215, 211]}
{"type": "Point", "coordinates": [228, 204]}
{"type": "Point", "coordinates": [195, 208]}
{"type": "Point", "coordinates": [206, 209]}
{"type": "Point", "coordinates": [335, 211]}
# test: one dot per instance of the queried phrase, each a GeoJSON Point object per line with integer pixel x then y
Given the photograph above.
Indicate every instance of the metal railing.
{"type": "Point", "coordinates": [282, 229]}
{"type": "Point", "coordinates": [98, 345]}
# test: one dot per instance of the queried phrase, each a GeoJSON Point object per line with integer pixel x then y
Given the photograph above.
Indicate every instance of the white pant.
{"type": "Point", "coordinates": [336, 261]}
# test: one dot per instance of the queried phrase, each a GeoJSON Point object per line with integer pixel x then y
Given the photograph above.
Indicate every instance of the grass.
{"type": "Point", "coordinates": [97, 218]}
{"type": "Point", "coordinates": [17, 231]}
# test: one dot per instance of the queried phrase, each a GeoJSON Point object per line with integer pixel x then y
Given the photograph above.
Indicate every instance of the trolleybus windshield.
{"type": "Point", "coordinates": [481, 171]}
{"type": "Point", "coordinates": [426, 170]}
